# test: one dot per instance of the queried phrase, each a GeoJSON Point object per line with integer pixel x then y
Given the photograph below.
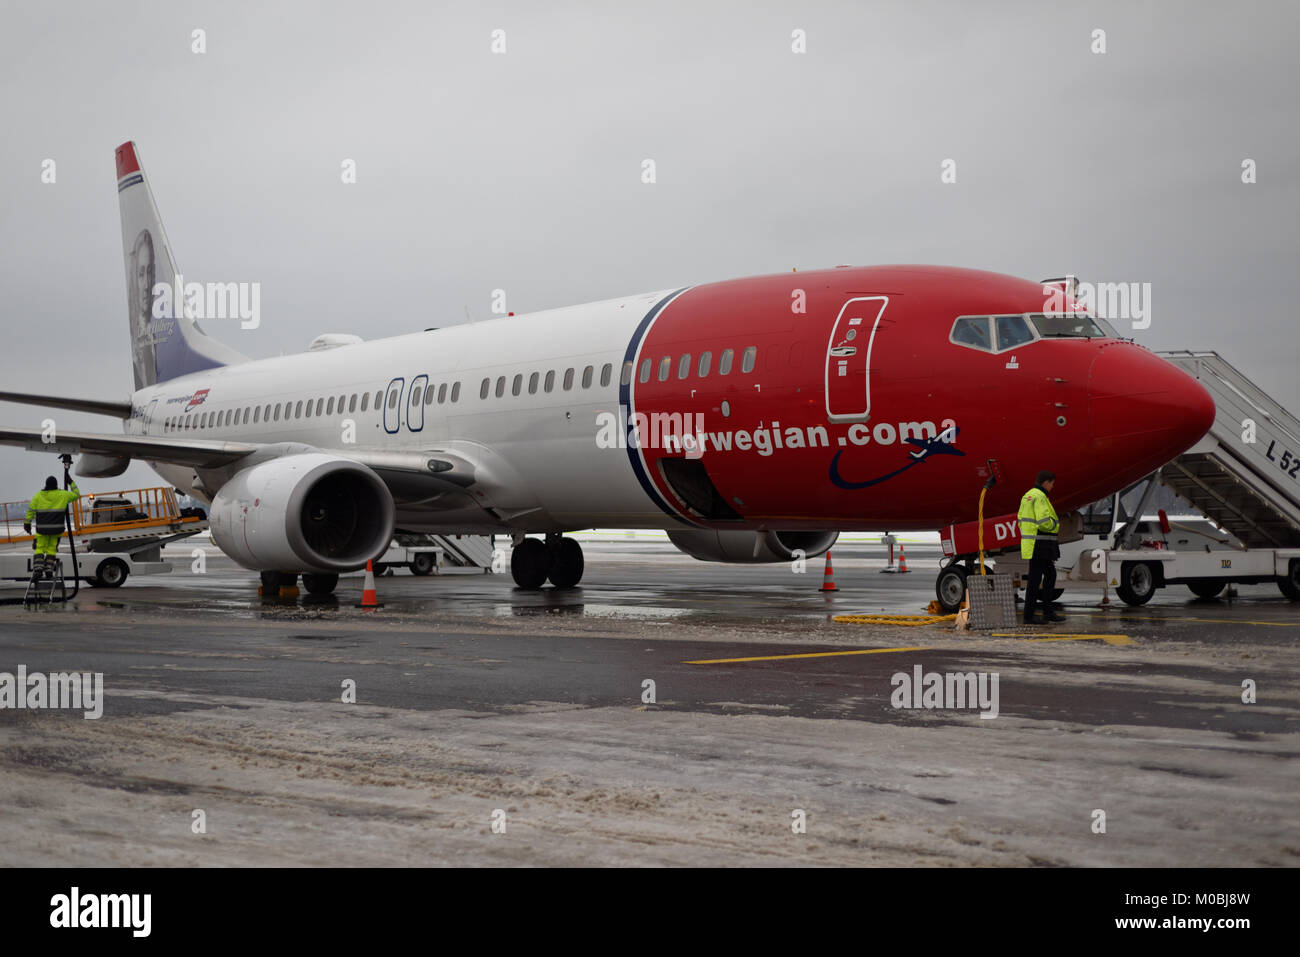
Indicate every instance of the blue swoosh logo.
{"type": "Point", "coordinates": [924, 449]}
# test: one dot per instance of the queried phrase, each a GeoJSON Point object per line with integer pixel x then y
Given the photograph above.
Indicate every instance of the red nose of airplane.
{"type": "Point", "coordinates": [1144, 408]}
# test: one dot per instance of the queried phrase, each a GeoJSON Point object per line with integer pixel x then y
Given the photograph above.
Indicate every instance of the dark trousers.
{"type": "Point", "coordinates": [1041, 584]}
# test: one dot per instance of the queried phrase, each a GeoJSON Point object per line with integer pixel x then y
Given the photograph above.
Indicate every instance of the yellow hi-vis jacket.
{"type": "Point", "coordinates": [1038, 521]}
{"type": "Point", "coordinates": [52, 502]}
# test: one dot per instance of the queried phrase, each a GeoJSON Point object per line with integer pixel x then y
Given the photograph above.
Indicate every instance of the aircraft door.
{"type": "Point", "coordinates": [848, 359]}
{"type": "Point", "coordinates": [393, 405]}
{"type": "Point", "coordinates": [415, 404]}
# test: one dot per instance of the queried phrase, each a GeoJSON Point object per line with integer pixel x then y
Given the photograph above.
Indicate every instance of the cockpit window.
{"type": "Point", "coordinates": [1074, 325]}
{"type": "Point", "coordinates": [973, 331]}
{"type": "Point", "coordinates": [1012, 331]}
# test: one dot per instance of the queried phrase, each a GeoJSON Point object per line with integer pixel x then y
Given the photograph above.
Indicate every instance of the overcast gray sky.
{"type": "Point", "coordinates": [522, 171]}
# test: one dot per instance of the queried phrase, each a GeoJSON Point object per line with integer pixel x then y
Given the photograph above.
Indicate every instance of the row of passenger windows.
{"type": "Point", "coordinates": [348, 404]}
{"type": "Point", "coordinates": [306, 408]}
{"type": "Point", "coordinates": [548, 383]}
{"type": "Point", "coordinates": [705, 364]}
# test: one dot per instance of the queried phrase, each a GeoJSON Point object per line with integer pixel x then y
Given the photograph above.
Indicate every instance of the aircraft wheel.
{"type": "Point", "coordinates": [1137, 583]}
{"type": "Point", "coordinates": [568, 566]}
{"type": "Point", "coordinates": [1290, 583]}
{"type": "Point", "coordinates": [950, 588]}
{"type": "Point", "coordinates": [530, 563]}
{"type": "Point", "coordinates": [1206, 589]}
{"type": "Point", "coordinates": [321, 583]}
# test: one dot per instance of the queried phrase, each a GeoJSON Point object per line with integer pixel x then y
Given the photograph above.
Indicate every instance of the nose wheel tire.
{"type": "Point", "coordinates": [530, 563]}
{"type": "Point", "coordinates": [950, 588]}
{"type": "Point", "coordinates": [1137, 583]}
{"type": "Point", "coordinates": [568, 564]}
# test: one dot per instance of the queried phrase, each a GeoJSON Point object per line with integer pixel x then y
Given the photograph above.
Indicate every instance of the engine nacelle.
{"type": "Point", "coordinates": [747, 546]}
{"type": "Point", "coordinates": [306, 512]}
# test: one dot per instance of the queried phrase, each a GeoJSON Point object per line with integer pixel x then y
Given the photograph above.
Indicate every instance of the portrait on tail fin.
{"type": "Point", "coordinates": [142, 268]}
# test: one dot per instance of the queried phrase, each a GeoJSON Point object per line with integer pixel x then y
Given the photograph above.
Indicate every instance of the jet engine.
{"type": "Point", "coordinates": [748, 546]}
{"type": "Point", "coordinates": [304, 512]}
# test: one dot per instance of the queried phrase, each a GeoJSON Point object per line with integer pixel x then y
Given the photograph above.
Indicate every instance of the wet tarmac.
{"type": "Point", "coordinates": [653, 651]}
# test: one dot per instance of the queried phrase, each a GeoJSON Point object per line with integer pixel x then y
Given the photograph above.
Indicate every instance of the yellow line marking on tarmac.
{"type": "Point", "coordinates": [812, 654]}
{"type": "Point", "coordinates": [1230, 621]}
{"type": "Point", "coordinates": [1109, 639]}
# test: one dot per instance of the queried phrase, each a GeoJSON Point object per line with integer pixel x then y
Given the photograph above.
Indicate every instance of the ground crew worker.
{"type": "Point", "coordinates": [1039, 529]}
{"type": "Point", "coordinates": [47, 509]}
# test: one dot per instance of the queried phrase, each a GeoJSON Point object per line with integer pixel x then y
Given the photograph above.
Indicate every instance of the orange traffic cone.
{"type": "Point", "coordinates": [828, 576]}
{"type": "Point", "coordinates": [368, 597]}
{"type": "Point", "coordinates": [902, 560]}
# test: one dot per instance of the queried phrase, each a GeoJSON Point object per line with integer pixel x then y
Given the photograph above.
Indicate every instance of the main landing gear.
{"type": "Point", "coordinates": [533, 561]}
{"type": "Point", "coordinates": [317, 583]}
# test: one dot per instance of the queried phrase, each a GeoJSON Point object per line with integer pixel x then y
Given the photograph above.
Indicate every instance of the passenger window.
{"type": "Point", "coordinates": [706, 359]}
{"type": "Point", "coordinates": [586, 377]}
{"type": "Point", "coordinates": [568, 379]}
{"type": "Point", "coordinates": [329, 409]}
{"type": "Point", "coordinates": [483, 388]}
{"type": "Point", "coordinates": [501, 386]}
{"type": "Point", "coordinates": [352, 402]}
{"type": "Point", "coordinates": [972, 331]}
{"type": "Point", "coordinates": [257, 414]}
{"type": "Point", "coordinates": [625, 376]}
{"type": "Point", "coordinates": [379, 399]}
{"type": "Point", "coordinates": [297, 412]}
{"type": "Point", "coordinates": [266, 413]}
{"type": "Point", "coordinates": [277, 412]}
{"type": "Point", "coordinates": [532, 383]}
{"type": "Point", "coordinates": [442, 393]}
{"type": "Point", "coordinates": [747, 361]}
{"type": "Point", "coordinates": [724, 363]}
{"type": "Point", "coordinates": [684, 366]}
{"type": "Point", "coordinates": [415, 396]}
{"type": "Point", "coordinates": [392, 398]}
{"type": "Point", "coordinates": [320, 406]}
{"type": "Point", "coordinates": [428, 394]}
{"type": "Point", "coordinates": [549, 382]}
{"type": "Point", "coordinates": [455, 392]}
{"type": "Point", "coordinates": [606, 372]}
{"type": "Point", "coordinates": [517, 386]}
{"type": "Point", "coordinates": [307, 410]}
{"type": "Point", "coordinates": [665, 367]}
{"type": "Point", "coordinates": [645, 371]}
{"type": "Point", "coordinates": [1013, 331]}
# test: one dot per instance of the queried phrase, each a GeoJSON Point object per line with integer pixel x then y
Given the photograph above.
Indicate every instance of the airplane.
{"type": "Point", "coordinates": [753, 419]}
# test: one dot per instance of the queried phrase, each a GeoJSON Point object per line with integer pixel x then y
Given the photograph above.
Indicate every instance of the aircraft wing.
{"type": "Point", "coordinates": [201, 454]}
{"type": "Point", "coordinates": [410, 475]}
{"type": "Point", "coordinates": [121, 410]}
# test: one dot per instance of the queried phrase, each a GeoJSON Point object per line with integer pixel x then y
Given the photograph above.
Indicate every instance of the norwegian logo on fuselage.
{"type": "Point", "coordinates": [197, 398]}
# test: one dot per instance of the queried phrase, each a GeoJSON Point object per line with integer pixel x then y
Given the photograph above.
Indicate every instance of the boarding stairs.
{"type": "Point", "coordinates": [1252, 489]}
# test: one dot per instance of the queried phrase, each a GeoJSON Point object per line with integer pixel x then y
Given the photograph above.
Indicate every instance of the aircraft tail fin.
{"type": "Point", "coordinates": [165, 341]}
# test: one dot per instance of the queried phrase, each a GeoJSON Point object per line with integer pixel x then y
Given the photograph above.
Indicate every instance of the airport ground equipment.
{"type": "Point", "coordinates": [114, 535]}
{"type": "Point", "coordinates": [434, 554]}
{"type": "Point", "coordinates": [1244, 474]}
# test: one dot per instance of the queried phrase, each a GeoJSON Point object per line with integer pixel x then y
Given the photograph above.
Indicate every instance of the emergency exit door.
{"type": "Point", "coordinates": [848, 359]}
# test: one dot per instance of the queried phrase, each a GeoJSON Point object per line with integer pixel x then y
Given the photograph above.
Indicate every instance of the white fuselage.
{"type": "Point", "coordinates": [543, 467]}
